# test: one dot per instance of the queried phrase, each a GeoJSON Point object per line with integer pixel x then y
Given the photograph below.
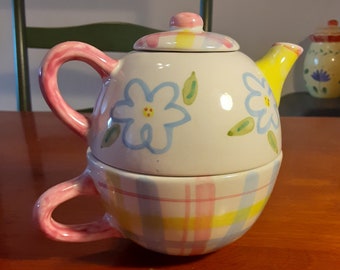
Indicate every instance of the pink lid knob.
{"type": "Point", "coordinates": [186, 20]}
{"type": "Point", "coordinates": [333, 23]}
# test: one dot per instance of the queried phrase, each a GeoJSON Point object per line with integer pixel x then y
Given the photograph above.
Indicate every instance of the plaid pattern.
{"type": "Point", "coordinates": [186, 217]}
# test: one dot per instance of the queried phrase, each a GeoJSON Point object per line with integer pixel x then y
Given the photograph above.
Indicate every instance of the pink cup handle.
{"type": "Point", "coordinates": [53, 197]}
{"type": "Point", "coordinates": [57, 56]}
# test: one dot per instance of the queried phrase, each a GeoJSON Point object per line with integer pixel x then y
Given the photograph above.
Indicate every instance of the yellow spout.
{"type": "Point", "coordinates": [276, 64]}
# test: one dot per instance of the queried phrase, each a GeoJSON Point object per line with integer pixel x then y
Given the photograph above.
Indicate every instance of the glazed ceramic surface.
{"type": "Point", "coordinates": [181, 99]}
{"type": "Point", "coordinates": [172, 115]}
{"type": "Point", "coordinates": [171, 215]}
{"type": "Point", "coordinates": [322, 62]}
{"type": "Point", "coordinates": [184, 140]}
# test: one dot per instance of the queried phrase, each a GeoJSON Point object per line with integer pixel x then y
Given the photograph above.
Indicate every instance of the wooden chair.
{"type": "Point", "coordinates": [94, 34]}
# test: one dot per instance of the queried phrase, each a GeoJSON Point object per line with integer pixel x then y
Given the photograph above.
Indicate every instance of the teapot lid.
{"type": "Point", "coordinates": [331, 33]}
{"type": "Point", "coordinates": [186, 34]}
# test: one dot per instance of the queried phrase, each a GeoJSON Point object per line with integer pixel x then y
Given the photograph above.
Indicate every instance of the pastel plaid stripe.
{"type": "Point", "coordinates": [150, 213]}
{"type": "Point", "coordinates": [192, 218]}
{"type": "Point", "coordinates": [246, 203]}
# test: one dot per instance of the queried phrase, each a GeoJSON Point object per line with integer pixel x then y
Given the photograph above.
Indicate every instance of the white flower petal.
{"type": "Point", "coordinates": [163, 97]}
{"type": "Point", "coordinates": [257, 103]}
{"type": "Point", "coordinates": [132, 134]}
{"type": "Point", "coordinates": [159, 138]}
{"type": "Point", "coordinates": [136, 94]}
{"type": "Point", "coordinates": [123, 112]}
{"type": "Point", "coordinates": [264, 120]}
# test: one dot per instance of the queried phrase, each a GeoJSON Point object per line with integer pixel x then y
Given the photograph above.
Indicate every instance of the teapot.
{"type": "Point", "coordinates": [179, 100]}
{"type": "Point", "coordinates": [185, 120]}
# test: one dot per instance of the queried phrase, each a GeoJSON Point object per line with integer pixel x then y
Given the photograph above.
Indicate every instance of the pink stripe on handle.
{"type": "Point", "coordinates": [55, 196]}
{"type": "Point", "coordinates": [57, 56]}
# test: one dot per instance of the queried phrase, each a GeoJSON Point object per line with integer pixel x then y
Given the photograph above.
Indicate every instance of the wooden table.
{"type": "Point", "coordinates": [299, 228]}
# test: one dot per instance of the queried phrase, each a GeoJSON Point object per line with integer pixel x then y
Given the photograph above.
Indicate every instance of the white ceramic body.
{"type": "Point", "coordinates": [322, 69]}
{"type": "Point", "coordinates": [181, 139]}
{"type": "Point", "coordinates": [184, 147]}
{"type": "Point", "coordinates": [171, 215]}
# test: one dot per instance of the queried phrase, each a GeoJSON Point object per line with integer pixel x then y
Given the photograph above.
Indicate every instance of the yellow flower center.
{"type": "Point", "coordinates": [266, 101]}
{"type": "Point", "coordinates": [148, 111]}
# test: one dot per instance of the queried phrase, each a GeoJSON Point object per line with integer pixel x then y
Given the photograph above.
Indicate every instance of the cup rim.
{"type": "Point", "coordinates": [134, 175]}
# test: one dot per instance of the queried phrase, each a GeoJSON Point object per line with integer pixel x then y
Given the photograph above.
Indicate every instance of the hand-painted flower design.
{"type": "Point", "coordinates": [149, 116]}
{"type": "Point", "coordinates": [260, 103]}
{"type": "Point", "coordinates": [321, 75]}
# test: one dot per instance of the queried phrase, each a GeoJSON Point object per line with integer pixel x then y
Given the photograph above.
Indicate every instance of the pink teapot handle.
{"type": "Point", "coordinates": [56, 57]}
{"type": "Point", "coordinates": [55, 196]}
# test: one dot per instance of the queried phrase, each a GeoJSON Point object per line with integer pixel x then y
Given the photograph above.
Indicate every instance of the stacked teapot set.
{"type": "Point", "coordinates": [184, 140]}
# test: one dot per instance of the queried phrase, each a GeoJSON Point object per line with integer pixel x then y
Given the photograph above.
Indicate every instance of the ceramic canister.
{"type": "Point", "coordinates": [322, 62]}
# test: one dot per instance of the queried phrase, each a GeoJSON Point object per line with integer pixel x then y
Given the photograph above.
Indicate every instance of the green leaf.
{"type": "Point", "coordinates": [243, 127]}
{"type": "Point", "coordinates": [190, 89]}
{"type": "Point", "coordinates": [272, 141]}
{"type": "Point", "coordinates": [111, 135]}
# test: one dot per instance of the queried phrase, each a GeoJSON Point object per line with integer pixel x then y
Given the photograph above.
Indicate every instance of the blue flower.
{"type": "Point", "coordinates": [149, 115]}
{"type": "Point", "coordinates": [260, 103]}
{"type": "Point", "coordinates": [321, 75]}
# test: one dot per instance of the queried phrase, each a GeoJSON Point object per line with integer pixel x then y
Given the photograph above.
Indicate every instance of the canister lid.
{"type": "Point", "coordinates": [186, 34]}
{"type": "Point", "coordinates": [331, 33]}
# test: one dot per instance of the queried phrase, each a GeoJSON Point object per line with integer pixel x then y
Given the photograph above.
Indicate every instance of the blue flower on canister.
{"type": "Point", "coordinates": [321, 75]}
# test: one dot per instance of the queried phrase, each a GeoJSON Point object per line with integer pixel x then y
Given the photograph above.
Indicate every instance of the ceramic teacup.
{"type": "Point", "coordinates": [171, 215]}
